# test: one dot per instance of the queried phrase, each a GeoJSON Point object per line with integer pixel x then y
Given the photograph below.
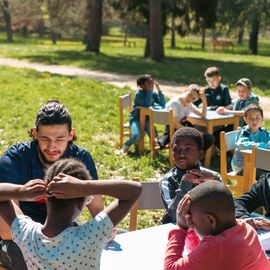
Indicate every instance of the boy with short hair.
{"type": "Point", "coordinates": [245, 97]}
{"type": "Point", "coordinates": [58, 244]}
{"type": "Point", "coordinates": [187, 147]}
{"type": "Point", "coordinates": [217, 94]}
{"type": "Point", "coordinates": [251, 134]}
{"type": "Point", "coordinates": [226, 243]}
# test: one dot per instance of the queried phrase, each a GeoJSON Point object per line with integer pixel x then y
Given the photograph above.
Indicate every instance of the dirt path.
{"type": "Point", "coordinates": [170, 88]}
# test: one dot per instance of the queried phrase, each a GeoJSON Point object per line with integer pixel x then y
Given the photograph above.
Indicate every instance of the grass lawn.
{"type": "Point", "coordinates": [94, 105]}
{"type": "Point", "coordinates": [94, 109]}
{"type": "Point", "coordinates": [184, 64]}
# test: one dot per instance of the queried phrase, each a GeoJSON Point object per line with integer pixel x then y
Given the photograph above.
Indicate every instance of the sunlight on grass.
{"type": "Point", "coordinates": [184, 64]}
{"type": "Point", "coordinates": [94, 109]}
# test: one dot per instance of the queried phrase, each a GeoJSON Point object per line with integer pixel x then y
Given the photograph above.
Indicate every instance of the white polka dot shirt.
{"type": "Point", "coordinates": [75, 248]}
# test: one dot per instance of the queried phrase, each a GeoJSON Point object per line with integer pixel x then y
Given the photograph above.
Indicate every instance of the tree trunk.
{"type": "Point", "coordinates": [253, 37]}
{"type": "Point", "coordinates": [173, 32]}
{"type": "Point", "coordinates": [40, 29]}
{"type": "Point", "coordinates": [7, 19]}
{"type": "Point", "coordinates": [125, 35]}
{"type": "Point", "coordinates": [24, 31]}
{"type": "Point", "coordinates": [240, 35]}
{"type": "Point", "coordinates": [54, 37]}
{"type": "Point", "coordinates": [147, 46]}
{"type": "Point", "coordinates": [156, 30]}
{"type": "Point", "coordinates": [203, 35]}
{"type": "Point", "coordinates": [94, 27]}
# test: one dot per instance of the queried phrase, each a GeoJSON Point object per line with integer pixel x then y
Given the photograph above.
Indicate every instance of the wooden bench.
{"type": "Point", "coordinates": [221, 43]}
{"type": "Point", "coordinates": [130, 44]}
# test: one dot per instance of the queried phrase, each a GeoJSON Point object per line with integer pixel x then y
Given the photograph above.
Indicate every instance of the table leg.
{"type": "Point", "coordinates": [246, 173]}
{"type": "Point", "coordinates": [207, 158]}
{"type": "Point", "coordinates": [236, 123]}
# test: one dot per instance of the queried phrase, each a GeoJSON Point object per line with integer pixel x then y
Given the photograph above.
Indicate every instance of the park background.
{"type": "Point", "coordinates": [172, 40]}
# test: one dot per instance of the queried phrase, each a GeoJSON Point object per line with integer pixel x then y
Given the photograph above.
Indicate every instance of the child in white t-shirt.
{"type": "Point", "coordinates": [58, 244]}
{"type": "Point", "coordinates": [182, 106]}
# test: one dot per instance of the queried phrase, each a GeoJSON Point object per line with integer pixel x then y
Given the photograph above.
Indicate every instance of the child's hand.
{"type": "Point", "coordinates": [220, 110]}
{"type": "Point", "coordinates": [202, 93]}
{"type": "Point", "coordinates": [259, 223]}
{"type": "Point", "coordinates": [156, 84]}
{"type": "Point", "coordinates": [65, 186]}
{"type": "Point", "coordinates": [182, 213]}
{"type": "Point", "coordinates": [197, 177]}
{"type": "Point", "coordinates": [33, 190]}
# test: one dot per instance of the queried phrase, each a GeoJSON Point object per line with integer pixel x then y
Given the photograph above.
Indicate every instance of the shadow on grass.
{"type": "Point", "coordinates": [180, 69]}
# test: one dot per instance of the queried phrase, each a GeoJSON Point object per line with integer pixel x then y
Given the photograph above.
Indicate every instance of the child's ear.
{"type": "Point", "coordinates": [212, 221]}
{"type": "Point", "coordinates": [201, 154]}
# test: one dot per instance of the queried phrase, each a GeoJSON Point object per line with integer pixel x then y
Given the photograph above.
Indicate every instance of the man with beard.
{"type": "Point", "coordinates": [53, 138]}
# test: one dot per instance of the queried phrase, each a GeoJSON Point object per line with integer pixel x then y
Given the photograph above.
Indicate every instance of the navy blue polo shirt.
{"type": "Point", "coordinates": [216, 97]}
{"type": "Point", "coordinates": [21, 163]}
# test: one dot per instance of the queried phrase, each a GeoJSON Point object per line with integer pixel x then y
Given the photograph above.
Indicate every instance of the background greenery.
{"type": "Point", "coordinates": [184, 64]}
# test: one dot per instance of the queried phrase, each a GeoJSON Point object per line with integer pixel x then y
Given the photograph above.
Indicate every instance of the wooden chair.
{"type": "Point", "coordinates": [261, 160]}
{"type": "Point", "coordinates": [163, 118]}
{"type": "Point", "coordinates": [125, 104]}
{"type": "Point", "coordinates": [227, 143]}
{"type": "Point", "coordinates": [149, 199]}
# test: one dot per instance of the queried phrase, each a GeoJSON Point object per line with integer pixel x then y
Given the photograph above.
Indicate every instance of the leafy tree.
{"type": "Point", "coordinates": [205, 14]}
{"type": "Point", "coordinates": [156, 30]}
{"type": "Point", "coordinates": [177, 9]}
{"type": "Point", "coordinates": [7, 18]}
{"type": "Point", "coordinates": [94, 25]}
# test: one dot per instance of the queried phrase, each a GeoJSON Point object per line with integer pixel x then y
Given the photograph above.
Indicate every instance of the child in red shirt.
{"type": "Point", "coordinates": [226, 243]}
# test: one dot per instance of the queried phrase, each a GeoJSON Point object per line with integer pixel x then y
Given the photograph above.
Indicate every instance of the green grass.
{"type": "Point", "coordinates": [185, 64]}
{"type": "Point", "coordinates": [94, 109]}
{"type": "Point", "coordinates": [94, 105]}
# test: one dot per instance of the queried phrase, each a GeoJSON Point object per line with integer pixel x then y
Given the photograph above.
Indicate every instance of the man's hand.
{"type": "Point", "coordinates": [32, 190]}
{"type": "Point", "coordinates": [65, 187]}
{"type": "Point", "coordinates": [197, 177]}
{"type": "Point", "coordinates": [259, 223]}
{"type": "Point", "coordinates": [183, 217]}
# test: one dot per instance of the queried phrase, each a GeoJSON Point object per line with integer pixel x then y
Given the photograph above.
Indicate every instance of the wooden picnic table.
{"type": "Point", "coordinates": [141, 249]}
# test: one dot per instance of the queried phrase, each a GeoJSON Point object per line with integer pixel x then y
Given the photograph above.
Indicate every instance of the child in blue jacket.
{"type": "Point", "coordinates": [144, 97]}
{"type": "Point", "coordinates": [251, 134]}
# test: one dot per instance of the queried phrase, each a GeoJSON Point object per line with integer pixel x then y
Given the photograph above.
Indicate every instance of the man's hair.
{"type": "Point", "coordinates": [53, 113]}
{"type": "Point", "coordinates": [70, 167]}
{"type": "Point", "coordinates": [253, 107]}
{"type": "Point", "coordinates": [211, 72]}
{"type": "Point", "coordinates": [143, 79]}
{"type": "Point", "coordinates": [188, 132]}
{"type": "Point", "coordinates": [213, 197]}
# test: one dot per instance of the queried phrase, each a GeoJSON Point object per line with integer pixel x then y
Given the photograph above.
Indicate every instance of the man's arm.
{"type": "Point", "coordinates": [32, 190]}
{"type": "Point", "coordinates": [251, 200]}
{"type": "Point", "coordinates": [127, 192]}
{"type": "Point", "coordinates": [96, 205]}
